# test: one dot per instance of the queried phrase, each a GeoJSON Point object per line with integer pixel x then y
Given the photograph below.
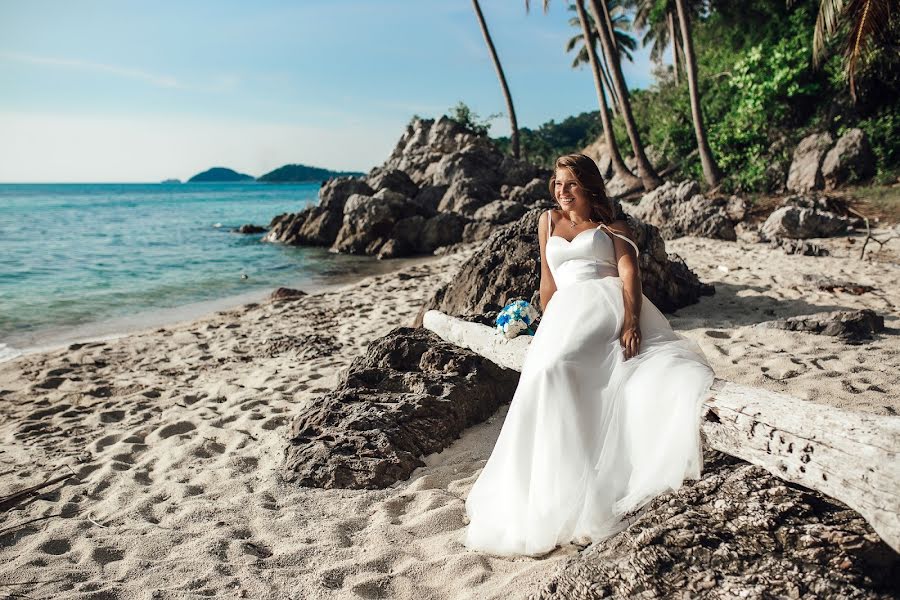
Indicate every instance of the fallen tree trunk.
{"type": "Point", "coordinates": [847, 455]}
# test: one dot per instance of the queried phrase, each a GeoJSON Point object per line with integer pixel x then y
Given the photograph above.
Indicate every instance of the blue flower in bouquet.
{"type": "Point", "coordinates": [515, 318]}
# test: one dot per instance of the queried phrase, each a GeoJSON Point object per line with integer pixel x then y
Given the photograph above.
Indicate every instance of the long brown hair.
{"type": "Point", "coordinates": [587, 175]}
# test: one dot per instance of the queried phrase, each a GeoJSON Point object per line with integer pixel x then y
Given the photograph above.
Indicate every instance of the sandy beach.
{"type": "Point", "coordinates": [176, 435]}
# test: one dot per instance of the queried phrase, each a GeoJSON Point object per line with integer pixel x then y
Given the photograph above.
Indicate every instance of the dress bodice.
{"type": "Point", "coordinates": [590, 255]}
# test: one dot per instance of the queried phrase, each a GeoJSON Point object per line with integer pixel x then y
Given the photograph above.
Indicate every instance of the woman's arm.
{"type": "Point", "coordinates": [629, 273]}
{"type": "Point", "coordinates": [548, 286]}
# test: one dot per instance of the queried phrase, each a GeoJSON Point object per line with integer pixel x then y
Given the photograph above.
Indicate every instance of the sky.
{"type": "Point", "coordinates": [129, 91]}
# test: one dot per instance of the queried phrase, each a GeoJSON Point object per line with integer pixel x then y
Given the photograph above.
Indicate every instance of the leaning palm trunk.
{"type": "Point", "coordinates": [607, 84]}
{"type": "Point", "coordinates": [514, 136]}
{"type": "Point", "coordinates": [673, 39]}
{"type": "Point", "coordinates": [710, 169]}
{"type": "Point", "coordinates": [618, 165]}
{"type": "Point", "coordinates": [645, 170]}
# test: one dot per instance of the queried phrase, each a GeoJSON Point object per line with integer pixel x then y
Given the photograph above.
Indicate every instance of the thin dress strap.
{"type": "Point", "coordinates": [619, 235]}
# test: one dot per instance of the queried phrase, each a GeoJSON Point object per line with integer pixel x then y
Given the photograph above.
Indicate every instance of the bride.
{"type": "Point", "coordinates": [606, 415]}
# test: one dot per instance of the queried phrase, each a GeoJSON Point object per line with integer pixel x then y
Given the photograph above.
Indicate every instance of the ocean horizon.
{"type": "Point", "coordinates": [81, 261]}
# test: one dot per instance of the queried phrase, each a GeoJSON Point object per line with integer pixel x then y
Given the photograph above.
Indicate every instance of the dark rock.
{"type": "Point", "coordinates": [248, 228]}
{"type": "Point", "coordinates": [500, 211]}
{"type": "Point", "coordinates": [838, 285]}
{"type": "Point", "coordinates": [679, 210]}
{"type": "Point", "coordinates": [284, 293]}
{"type": "Point", "coordinates": [368, 221]}
{"type": "Point", "coordinates": [410, 395]}
{"type": "Point", "coordinates": [802, 247]}
{"type": "Point", "coordinates": [313, 226]}
{"type": "Point", "coordinates": [738, 532]}
{"type": "Point", "coordinates": [850, 160]}
{"type": "Point", "coordinates": [849, 325]}
{"type": "Point", "coordinates": [393, 180]}
{"type": "Point", "coordinates": [535, 191]}
{"type": "Point", "coordinates": [334, 193]}
{"type": "Point", "coordinates": [508, 267]}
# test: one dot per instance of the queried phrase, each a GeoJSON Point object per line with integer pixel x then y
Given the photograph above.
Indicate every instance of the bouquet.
{"type": "Point", "coordinates": [515, 318]}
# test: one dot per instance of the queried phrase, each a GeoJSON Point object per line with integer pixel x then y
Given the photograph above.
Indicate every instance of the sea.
{"type": "Point", "coordinates": [95, 261]}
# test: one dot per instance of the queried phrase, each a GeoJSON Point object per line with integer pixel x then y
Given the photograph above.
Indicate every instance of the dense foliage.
{"type": "Point", "coordinates": [760, 95]}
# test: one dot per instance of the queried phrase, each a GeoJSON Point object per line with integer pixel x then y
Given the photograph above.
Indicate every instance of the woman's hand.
{"type": "Point", "coordinates": [631, 339]}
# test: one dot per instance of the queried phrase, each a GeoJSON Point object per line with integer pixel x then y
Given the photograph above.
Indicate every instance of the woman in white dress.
{"type": "Point", "coordinates": [606, 415]}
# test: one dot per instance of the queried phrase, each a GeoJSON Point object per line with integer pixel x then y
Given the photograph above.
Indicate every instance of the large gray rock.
{"type": "Point", "coordinates": [313, 226]}
{"type": "Point", "coordinates": [738, 532]}
{"type": "Point", "coordinates": [368, 221]}
{"type": "Point", "coordinates": [393, 180]}
{"type": "Point", "coordinates": [334, 192]}
{"type": "Point", "coordinates": [535, 191]}
{"type": "Point", "coordinates": [507, 267]}
{"type": "Point", "coordinates": [805, 216]}
{"type": "Point", "coordinates": [850, 160]}
{"type": "Point", "coordinates": [500, 211]}
{"type": "Point", "coordinates": [410, 395]}
{"type": "Point", "coordinates": [805, 173]}
{"type": "Point", "coordinates": [679, 210]}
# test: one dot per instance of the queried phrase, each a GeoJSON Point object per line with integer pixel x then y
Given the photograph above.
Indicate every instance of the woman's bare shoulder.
{"type": "Point", "coordinates": [621, 226]}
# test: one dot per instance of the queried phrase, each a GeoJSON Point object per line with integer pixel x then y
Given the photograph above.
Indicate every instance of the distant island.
{"type": "Point", "coordinates": [302, 173]}
{"type": "Point", "coordinates": [219, 174]}
{"type": "Point", "coordinates": [170, 181]}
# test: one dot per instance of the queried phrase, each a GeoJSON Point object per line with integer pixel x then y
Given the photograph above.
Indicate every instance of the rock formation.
{"type": "Point", "coordinates": [849, 325]}
{"type": "Point", "coordinates": [249, 228]}
{"type": "Point", "coordinates": [425, 196]}
{"type": "Point", "coordinates": [821, 163]}
{"type": "Point", "coordinates": [736, 533]}
{"type": "Point", "coordinates": [807, 216]}
{"type": "Point", "coordinates": [507, 267]}
{"type": "Point", "coordinates": [679, 210]}
{"type": "Point", "coordinates": [805, 173]}
{"type": "Point", "coordinates": [410, 395]}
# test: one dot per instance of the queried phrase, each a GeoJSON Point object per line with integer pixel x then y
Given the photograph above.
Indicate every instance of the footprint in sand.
{"type": "Point", "coordinates": [55, 547]}
{"type": "Point", "coordinates": [176, 429]}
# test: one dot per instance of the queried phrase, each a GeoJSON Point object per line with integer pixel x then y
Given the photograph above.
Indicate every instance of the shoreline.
{"type": "Point", "coordinates": [55, 338]}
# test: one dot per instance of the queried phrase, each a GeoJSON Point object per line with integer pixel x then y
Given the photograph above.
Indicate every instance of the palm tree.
{"type": "Point", "coordinates": [514, 136]}
{"type": "Point", "coordinates": [587, 32]}
{"type": "Point", "coordinates": [710, 169]}
{"type": "Point", "coordinates": [625, 43]}
{"type": "Point", "coordinates": [648, 175]}
{"type": "Point", "coordinates": [660, 32]}
{"type": "Point", "coordinates": [866, 18]}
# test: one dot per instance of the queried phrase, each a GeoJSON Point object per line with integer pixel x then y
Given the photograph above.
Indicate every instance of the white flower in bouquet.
{"type": "Point", "coordinates": [515, 318]}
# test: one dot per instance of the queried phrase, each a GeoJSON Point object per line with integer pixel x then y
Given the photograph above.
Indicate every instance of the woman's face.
{"type": "Point", "coordinates": [570, 195]}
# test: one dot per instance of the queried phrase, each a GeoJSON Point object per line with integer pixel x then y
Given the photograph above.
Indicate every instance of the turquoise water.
{"type": "Point", "coordinates": [72, 255]}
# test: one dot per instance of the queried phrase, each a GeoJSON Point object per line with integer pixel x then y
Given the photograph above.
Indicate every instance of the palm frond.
{"type": "Point", "coordinates": [826, 24]}
{"type": "Point", "coordinates": [868, 19]}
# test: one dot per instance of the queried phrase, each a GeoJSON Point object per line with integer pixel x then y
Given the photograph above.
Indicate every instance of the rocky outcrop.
{"type": "Point", "coordinates": [249, 228]}
{"type": "Point", "coordinates": [850, 160]}
{"type": "Point", "coordinates": [805, 173]}
{"type": "Point", "coordinates": [679, 210]}
{"type": "Point", "coordinates": [806, 216]}
{"type": "Point", "coordinates": [284, 294]}
{"type": "Point", "coordinates": [410, 395]}
{"type": "Point", "coordinates": [437, 179]}
{"type": "Point", "coordinates": [849, 325]}
{"type": "Point", "coordinates": [736, 533]}
{"type": "Point", "coordinates": [507, 267]}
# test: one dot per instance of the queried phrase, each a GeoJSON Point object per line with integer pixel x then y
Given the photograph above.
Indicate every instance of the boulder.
{"type": "Point", "coordinates": [535, 191]}
{"type": "Point", "coordinates": [410, 395]}
{"type": "Point", "coordinates": [249, 228]}
{"type": "Point", "coordinates": [283, 294]}
{"type": "Point", "coordinates": [679, 210]}
{"type": "Point", "coordinates": [738, 532]}
{"type": "Point", "coordinates": [334, 192]}
{"type": "Point", "coordinates": [849, 325]}
{"type": "Point", "coordinates": [313, 226]}
{"type": "Point", "coordinates": [368, 221]}
{"type": "Point", "coordinates": [394, 180]}
{"type": "Point", "coordinates": [507, 267]}
{"type": "Point", "coordinates": [850, 160]}
{"type": "Point", "coordinates": [806, 216]}
{"type": "Point", "coordinates": [500, 211]}
{"type": "Point", "coordinates": [805, 173]}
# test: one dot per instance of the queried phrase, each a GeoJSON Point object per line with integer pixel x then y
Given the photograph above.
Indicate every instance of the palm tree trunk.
{"type": "Point", "coordinates": [619, 167]}
{"type": "Point", "coordinates": [607, 84]}
{"type": "Point", "coordinates": [710, 169]}
{"type": "Point", "coordinates": [514, 136]}
{"type": "Point", "coordinates": [645, 170]}
{"type": "Point", "coordinates": [673, 39]}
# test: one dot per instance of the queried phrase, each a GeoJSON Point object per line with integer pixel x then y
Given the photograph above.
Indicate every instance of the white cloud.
{"type": "Point", "coordinates": [67, 148]}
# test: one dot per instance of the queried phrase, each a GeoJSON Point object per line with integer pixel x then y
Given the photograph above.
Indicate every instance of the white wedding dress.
{"type": "Point", "coordinates": [589, 436]}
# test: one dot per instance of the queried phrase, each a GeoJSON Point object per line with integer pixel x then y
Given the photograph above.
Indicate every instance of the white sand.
{"type": "Point", "coordinates": [177, 435]}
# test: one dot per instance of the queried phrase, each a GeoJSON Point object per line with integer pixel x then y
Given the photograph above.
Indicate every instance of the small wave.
{"type": "Point", "coordinates": [217, 225]}
{"type": "Point", "coordinates": [8, 352]}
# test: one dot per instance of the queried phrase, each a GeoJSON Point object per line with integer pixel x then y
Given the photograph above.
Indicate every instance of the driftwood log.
{"type": "Point", "coordinates": [849, 456]}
